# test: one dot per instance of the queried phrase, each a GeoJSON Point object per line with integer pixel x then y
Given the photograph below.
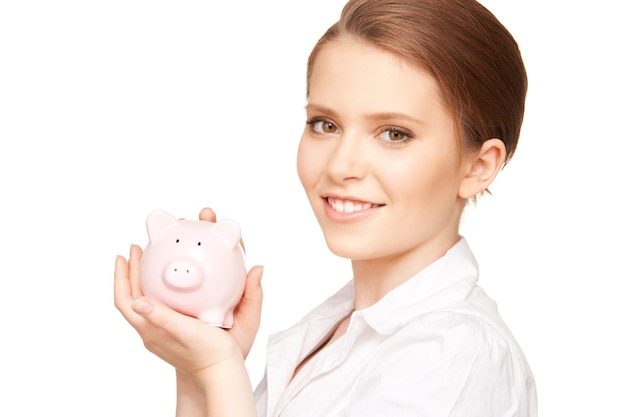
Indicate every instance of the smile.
{"type": "Point", "coordinates": [349, 206]}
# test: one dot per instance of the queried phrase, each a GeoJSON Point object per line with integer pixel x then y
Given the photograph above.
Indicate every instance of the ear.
{"type": "Point", "coordinates": [482, 168]}
{"type": "Point", "coordinates": [229, 231]}
{"type": "Point", "coordinates": [157, 222]}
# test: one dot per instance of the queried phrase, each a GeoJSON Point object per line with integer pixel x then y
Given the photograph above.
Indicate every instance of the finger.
{"type": "Point", "coordinates": [249, 308]}
{"type": "Point", "coordinates": [134, 269]}
{"type": "Point", "coordinates": [160, 316]}
{"type": "Point", "coordinates": [248, 312]}
{"type": "Point", "coordinates": [183, 341]}
{"type": "Point", "coordinates": [208, 215]}
{"type": "Point", "coordinates": [253, 291]}
{"type": "Point", "coordinates": [121, 287]}
{"type": "Point", "coordinates": [122, 291]}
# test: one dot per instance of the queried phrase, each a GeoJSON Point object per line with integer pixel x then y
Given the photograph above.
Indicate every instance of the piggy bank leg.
{"type": "Point", "coordinates": [217, 318]}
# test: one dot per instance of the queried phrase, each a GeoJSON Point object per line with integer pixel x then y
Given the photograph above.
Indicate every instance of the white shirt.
{"type": "Point", "coordinates": [434, 346]}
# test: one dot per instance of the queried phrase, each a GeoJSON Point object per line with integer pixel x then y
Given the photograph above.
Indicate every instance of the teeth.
{"type": "Point", "coordinates": [347, 206]}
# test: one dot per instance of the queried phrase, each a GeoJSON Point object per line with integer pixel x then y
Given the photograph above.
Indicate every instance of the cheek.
{"type": "Point", "coordinates": [301, 164]}
{"type": "Point", "coordinates": [421, 179]}
{"type": "Point", "coordinates": [305, 164]}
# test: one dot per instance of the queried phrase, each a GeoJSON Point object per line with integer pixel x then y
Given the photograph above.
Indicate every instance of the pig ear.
{"type": "Point", "coordinates": [157, 222]}
{"type": "Point", "coordinates": [229, 231]}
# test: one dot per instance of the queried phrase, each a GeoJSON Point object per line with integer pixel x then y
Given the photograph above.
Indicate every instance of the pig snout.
{"type": "Point", "coordinates": [183, 274]}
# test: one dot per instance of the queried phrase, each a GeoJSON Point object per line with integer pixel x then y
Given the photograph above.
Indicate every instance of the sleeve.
{"type": "Point", "coordinates": [446, 364]}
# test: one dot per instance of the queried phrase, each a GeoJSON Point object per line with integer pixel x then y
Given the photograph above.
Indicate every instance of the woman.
{"type": "Point", "coordinates": [413, 108]}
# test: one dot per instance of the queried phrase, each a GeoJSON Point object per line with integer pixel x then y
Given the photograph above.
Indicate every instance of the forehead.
{"type": "Point", "coordinates": [349, 70]}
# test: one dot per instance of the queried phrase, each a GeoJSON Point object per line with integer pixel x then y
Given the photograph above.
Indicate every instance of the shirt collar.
{"type": "Point", "coordinates": [444, 283]}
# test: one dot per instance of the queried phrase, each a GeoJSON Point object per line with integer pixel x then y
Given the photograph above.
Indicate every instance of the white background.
{"type": "Point", "coordinates": [109, 110]}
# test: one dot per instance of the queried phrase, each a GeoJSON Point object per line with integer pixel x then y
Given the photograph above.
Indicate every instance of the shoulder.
{"type": "Point", "coordinates": [445, 335]}
{"type": "Point", "coordinates": [449, 362]}
{"type": "Point", "coordinates": [468, 341]}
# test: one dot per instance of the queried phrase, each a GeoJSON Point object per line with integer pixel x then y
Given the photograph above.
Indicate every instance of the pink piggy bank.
{"type": "Point", "coordinates": [195, 267]}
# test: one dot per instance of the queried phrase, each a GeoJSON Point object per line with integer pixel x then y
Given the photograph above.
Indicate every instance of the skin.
{"type": "Point", "coordinates": [364, 104]}
{"type": "Point", "coordinates": [380, 140]}
{"type": "Point", "coordinates": [209, 361]}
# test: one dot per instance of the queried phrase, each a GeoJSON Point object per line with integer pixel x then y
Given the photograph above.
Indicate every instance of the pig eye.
{"type": "Point", "coordinates": [199, 243]}
{"type": "Point", "coordinates": [177, 240]}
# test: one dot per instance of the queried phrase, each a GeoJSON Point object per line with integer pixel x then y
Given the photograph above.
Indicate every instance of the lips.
{"type": "Point", "coordinates": [349, 206]}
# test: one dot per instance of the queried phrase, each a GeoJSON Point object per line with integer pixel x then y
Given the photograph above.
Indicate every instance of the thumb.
{"type": "Point", "coordinates": [248, 311]}
{"type": "Point", "coordinates": [142, 306]}
{"type": "Point", "coordinates": [252, 297]}
{"type": "Point", "coordinates": [152, 312]}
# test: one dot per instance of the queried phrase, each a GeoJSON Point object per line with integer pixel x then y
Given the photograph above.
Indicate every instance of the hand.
{"type": "Point", "coordinates": [185, 342]}
{"type": "Point", "coordinates": [208, 360]}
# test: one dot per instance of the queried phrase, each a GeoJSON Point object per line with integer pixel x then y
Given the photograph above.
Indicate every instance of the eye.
{"type": "Point", "coordinates": [318, 125]}
{"type": "Point", "coordinates": [177, 240]}
{"type": "Point", "coordinates": [395, 135]}
{"type": "Point", "coordinates": [199, 243]}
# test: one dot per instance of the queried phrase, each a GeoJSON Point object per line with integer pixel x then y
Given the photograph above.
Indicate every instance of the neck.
{"type": "Point", "coordinates": [374, 278]}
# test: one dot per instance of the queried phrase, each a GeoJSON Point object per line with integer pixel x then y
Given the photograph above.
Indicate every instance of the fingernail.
{"type": "Point", "coordinates": [141, 306]}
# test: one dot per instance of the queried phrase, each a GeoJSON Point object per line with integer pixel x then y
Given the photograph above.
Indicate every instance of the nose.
{"type": "Point", "coordinates": [183, 274]}
{"type": "Point", "coordinates": [347, 159]}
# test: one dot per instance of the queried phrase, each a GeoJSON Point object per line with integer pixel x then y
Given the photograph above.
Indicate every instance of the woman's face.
{"type": "Point", "coordinates": [378, 158]}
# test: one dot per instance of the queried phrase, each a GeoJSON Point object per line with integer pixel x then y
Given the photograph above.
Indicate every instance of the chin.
{"type": "Point", "coordinates": [350, 250]}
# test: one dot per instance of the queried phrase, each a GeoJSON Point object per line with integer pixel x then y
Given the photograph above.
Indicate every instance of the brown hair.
{"type": "Point", "coordinates": [471, 54]}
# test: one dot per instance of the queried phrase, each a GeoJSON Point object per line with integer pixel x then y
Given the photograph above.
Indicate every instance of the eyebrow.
{"type": "Point", "coordinates": [374, 116]}
{"type": "Point", "coordinates": [320, 109]}
{"type": "Point", "coordinates": [393, 116]}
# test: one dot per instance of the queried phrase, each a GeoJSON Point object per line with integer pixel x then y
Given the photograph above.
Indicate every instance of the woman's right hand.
{"type": "Point", "coordinates": [209, 360]}
{"type": "Point", "coordinates": [168, 333]}
{"type": "Point", "coordinates": [200, 353]}
{"type": "Point", "coordinates": [184, 342]}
